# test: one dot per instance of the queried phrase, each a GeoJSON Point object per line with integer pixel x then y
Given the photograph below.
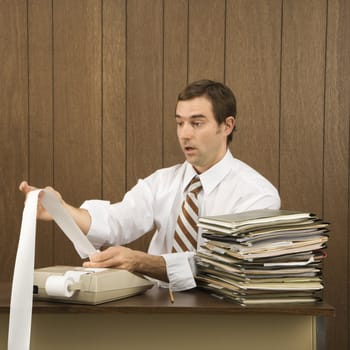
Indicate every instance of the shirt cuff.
{"type": "Point", "coordinates": [181, 270]}
{"type": "Point", "coordinates": [98, 233]}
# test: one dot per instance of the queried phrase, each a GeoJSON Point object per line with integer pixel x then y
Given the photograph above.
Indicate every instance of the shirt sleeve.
{"type": "Point", "coordinates": [268, 201]}
{"type": "Point", "coordinates": [123, 222]}
{"type": "Point", "coordinates": [99, 232]}
{"type": "Point", "coordinates": [180, 266]}
{"type": "Point", "coordinates": [181, 270]}
{"type": "Point", "coordinates": [258, 197]}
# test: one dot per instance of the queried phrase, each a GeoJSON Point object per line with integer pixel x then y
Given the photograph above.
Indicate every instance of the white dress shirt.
{"type": "Point", "coordinates": [230, 186]}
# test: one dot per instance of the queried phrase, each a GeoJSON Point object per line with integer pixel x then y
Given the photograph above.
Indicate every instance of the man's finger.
{"type": "Point", "coordinates": [24, 187]}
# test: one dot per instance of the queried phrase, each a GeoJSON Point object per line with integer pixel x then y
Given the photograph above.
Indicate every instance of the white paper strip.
{"type": "Point", "coordinates": [62, 218]}
{"type": "Point", "coordinates": [22, 285]}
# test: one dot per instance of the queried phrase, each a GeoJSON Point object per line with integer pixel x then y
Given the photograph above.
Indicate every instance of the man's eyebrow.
{"type": "Point", "coordinates": [195, 116]}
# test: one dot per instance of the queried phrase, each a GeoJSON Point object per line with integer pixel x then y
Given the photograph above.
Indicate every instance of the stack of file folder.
{"type": "Point", "coordinates": [263, 256]}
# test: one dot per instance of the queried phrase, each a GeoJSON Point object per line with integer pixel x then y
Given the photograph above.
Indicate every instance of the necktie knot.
{"type": "Point", "coordinates": [195, 185]}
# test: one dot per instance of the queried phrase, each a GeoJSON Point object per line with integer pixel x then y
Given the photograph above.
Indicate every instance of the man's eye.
{"type": "Point", "coordinates": [197, 124]}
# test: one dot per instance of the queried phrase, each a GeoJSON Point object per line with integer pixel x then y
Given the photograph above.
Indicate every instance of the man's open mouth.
{"type": "Point", "coordinates": [189, 148]}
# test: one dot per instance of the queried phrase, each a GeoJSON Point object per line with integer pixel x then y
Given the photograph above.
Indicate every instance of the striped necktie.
{"type": "Point", "coordinates": [185, 237]}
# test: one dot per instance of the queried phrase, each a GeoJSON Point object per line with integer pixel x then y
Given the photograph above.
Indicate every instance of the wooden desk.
{"type": "Point", "coordinates": [150, 321]}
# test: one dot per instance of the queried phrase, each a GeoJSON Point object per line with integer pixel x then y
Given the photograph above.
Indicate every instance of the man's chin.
{"type": "Point", "coordinates": [191, 158]}
{"type": "Point", "coordinates": [193, 161]}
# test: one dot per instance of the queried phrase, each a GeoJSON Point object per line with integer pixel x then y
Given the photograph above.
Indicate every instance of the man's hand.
{"type": "Point", "coordinates": [42, 214]}
{"type": "Point", "coordinates": [80, 216]}
{"type": "Point", "coordinates": [115, 257]}
{"type": "Point", "coordinates": [119, 257]}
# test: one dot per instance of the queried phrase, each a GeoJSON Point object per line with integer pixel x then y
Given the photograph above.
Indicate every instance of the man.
{"type": "Point", "coordinates": [205, 118]}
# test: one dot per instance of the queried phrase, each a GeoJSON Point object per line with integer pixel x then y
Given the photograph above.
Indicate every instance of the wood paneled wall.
{"type": "Point", "coordinates": [88, 89]}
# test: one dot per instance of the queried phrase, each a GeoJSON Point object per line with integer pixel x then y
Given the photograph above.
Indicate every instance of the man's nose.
{"type": "Point", "coordinates": [186, 131]}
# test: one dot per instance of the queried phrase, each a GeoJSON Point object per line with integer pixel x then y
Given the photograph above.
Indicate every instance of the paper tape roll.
{"type": "Point", "coordinates": [59, 286]}
{"type": "Point", "coordinates": [22, 285]}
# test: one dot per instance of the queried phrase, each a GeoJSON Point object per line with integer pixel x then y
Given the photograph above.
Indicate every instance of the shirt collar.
{"type": "Point", "coordinates": [211, 177]}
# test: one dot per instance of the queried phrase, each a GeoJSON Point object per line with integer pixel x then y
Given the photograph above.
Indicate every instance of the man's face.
{"type": "Point", "coordinates": [202, 140]}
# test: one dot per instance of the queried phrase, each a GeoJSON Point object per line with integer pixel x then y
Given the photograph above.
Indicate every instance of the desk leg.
{"type": "Point", "coordinates": [321, 330]}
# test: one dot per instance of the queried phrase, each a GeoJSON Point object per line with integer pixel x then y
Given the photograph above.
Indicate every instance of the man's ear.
{"type": "Point", "coordinates": [229, 124]}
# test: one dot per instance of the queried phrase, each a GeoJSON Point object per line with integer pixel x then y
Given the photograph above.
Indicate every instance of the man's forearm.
{"type": "Point", "coordinates": [151, 265]}
{"type": "Point", "coordinates": [80, 216]}
{"type": "Point", "coordinates": [132, 260]}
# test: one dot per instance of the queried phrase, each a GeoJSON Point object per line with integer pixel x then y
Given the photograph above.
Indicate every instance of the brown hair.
{"type": "Point", "coordinates": [221, 97]}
